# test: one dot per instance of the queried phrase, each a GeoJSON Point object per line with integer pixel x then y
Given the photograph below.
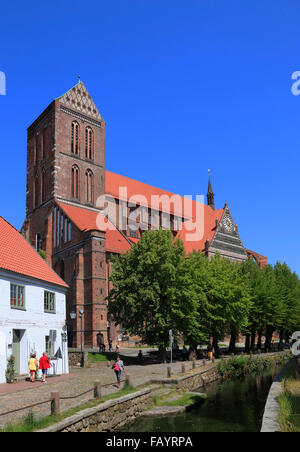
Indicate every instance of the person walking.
{"type": "Point", "coordinates": [33, 366]}
{"type": "Point", "coordinates": [117, 348]}
{"type": "Point", "coordinates": [110, 345]}
{"type": "Point", "coordinates": [210, 351]}
{"type": "Point", "coordinates": [118, 367]}
{"type": "Point", "coordinates": [44, 366]}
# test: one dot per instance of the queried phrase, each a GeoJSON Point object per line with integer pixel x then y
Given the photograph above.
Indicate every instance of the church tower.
{"type": "Point", "coordinates": [66, 170]}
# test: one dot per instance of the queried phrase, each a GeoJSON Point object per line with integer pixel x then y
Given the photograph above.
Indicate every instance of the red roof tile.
{"type": "Point", "coordinates": [87, 220]}
{"type": "Point", "coordinates": [18, 256]}
{"type": "Point", "coordinates": [114, 182]}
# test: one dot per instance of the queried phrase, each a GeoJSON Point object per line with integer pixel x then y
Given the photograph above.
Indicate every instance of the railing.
{"type": "Point", "coordinates": [55, 397]}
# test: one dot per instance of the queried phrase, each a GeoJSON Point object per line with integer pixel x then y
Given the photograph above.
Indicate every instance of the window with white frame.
{"type": "Point", "coordinates": [49, 302]}
{"type": "Point", "coordinates": [17, 296]}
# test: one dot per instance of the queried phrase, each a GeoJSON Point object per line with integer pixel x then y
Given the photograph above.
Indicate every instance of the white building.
{"type": "Point", "coordinates": [32, 306]}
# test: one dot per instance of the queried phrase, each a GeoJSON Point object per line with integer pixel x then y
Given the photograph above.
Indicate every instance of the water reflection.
{"type": "Point", "coordinates": [233, 406]}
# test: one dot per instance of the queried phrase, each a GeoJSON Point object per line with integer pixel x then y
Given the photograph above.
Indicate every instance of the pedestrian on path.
{"type": "Point", "coordinates": [110, 345]}
{"type": "Point", "coordinates": [210, 350]}
{"type": "Point", "coordinates": [118, 366]}
{"type": "Point", "coordinates": [117, 348]}
{"type": "Point", "coordinates": [33, 366]}
{"type": "Point", "coordinates": [44, 366]}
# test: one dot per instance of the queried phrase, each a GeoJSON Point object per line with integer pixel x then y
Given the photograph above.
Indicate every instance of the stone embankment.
{"type": "Point", "coordinates": [114, 414]}
{"type": "Point", "coordinates": [107, 416]}
{"type": "Point", "coordinates": [270, 422]}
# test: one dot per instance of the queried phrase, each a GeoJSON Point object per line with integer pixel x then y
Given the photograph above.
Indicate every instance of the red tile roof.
{"type": "Point", "coordinates": [114, 181]}
{"type": "Point", "coordinates": [18, 256]}
{"type": "Point", "coordinates": [116, 242]}
{"type": "Point", "coordinates": [88, 220]}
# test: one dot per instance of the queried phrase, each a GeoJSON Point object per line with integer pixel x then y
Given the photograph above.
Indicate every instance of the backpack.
{"type": "Point", "coordinates": [116, 367]}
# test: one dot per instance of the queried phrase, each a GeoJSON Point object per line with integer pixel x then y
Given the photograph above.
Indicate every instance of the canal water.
{"type": "Point", "coordinates": [231, 406]}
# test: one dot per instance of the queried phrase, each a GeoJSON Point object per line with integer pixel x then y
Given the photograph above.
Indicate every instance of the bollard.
{"type": "Point", "coordinates": [128, 381]}
{"type": "Point", "coordinates": [194, 364]}
{"type": "Point", "coordinates": [54, 403]}
{"type": "Point", "coordinates": [168, 371]}
{"type": "Point", "coordinates": [183, 368]}
{"type": "Point", "coordinates": [97, 389]}
{"type": "Point", "coordinates": [204, 362]}
{"type": "Point", "coordinates": [213, 359]}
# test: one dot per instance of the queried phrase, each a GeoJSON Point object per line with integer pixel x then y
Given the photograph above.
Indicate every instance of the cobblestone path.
{"type": "Point", "coordinates": [79, 380]}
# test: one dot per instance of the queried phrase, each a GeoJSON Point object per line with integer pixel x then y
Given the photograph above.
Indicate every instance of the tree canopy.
{"type": "Point", "coordinates": [156, 288]}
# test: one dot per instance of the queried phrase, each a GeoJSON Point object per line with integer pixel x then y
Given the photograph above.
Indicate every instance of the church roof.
{"type": "Point", "coordinates": [208, 216]}
{"type": "Point", "coordinates": [18, 256]}
{"type": "Point", "coordinates": [90, 220]}
{"type": "Point", "coordinates": [202, 214]}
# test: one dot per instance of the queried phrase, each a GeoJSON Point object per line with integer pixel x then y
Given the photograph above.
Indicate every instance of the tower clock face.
{"type": "Point", "coordinates": [228, 224]}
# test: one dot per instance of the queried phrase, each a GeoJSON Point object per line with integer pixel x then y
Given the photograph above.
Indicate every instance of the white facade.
{"type": "Point", "coordinates": [31, 329]}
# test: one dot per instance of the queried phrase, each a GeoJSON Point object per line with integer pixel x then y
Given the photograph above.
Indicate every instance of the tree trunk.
{"type": "Point", "coordinates": [253, 335]}
{"type": "Point", "coordinates": [216, 347]}
{"type": "Point", "coordinates": [247, 343]}
{"type": "Point", "coordinates": [232, 343]}
{"type": "Point", "coordinates": [259, 340]}
{"type": "Point", "coordinates": [269, 334]}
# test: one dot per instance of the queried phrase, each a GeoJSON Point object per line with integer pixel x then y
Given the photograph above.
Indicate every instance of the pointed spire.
{"type": "Point", "coordinates": [210, 194]}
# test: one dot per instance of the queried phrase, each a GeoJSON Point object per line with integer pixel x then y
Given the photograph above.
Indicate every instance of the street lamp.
{"type": "Point", "coordinates": [73, 317]}
{"type": "Point", "coordinates": [81, 313]}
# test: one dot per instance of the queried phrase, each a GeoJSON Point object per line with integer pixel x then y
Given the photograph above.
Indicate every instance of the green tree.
{"type": "Point", "coordinates": [151, 293]}
{"type": "Point", "coordinates": [288, 288]}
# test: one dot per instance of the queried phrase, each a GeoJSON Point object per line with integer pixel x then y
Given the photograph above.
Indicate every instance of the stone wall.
{"type": "Point", "coordinates": [77, 357]}
{"type": "Point", "coordinates": [192, 381]}
{"type": "Point", "coordinates": [106, 417]}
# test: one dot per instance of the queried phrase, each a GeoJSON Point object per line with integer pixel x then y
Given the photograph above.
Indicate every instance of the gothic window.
{"type": "Point", "coordinates": [89, 182]}
{"type": "Point", "coordinates": [75, 138]}
{"type": "Point", "coordinates": [36, 149]}
{"type": "Point", "coordinates": [43, 185]}
{"type": "Point", "coordinates": [88, 143]}
{"type": "Point", "coordinates": [36, 191]}
{"type": "Point", "coordinates": [75, 182]}
{"type": "Point", "coordinates": [44, 143]}
{"type": "Point", "coordinates": [38, 242]}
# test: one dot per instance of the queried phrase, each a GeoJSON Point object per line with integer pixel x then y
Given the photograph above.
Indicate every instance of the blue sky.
{"type": "Point", "coordinates": [183, 86]}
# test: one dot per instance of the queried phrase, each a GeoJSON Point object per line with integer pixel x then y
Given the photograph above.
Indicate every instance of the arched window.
{"type": "Point", "coordinates": [89, 139]}
{"type": "Point", "coordinates": [75, 182]}
{"type": "Point", "coordinates": [36, 149]}
{"type": "Point", "coordinates": [75, 138]}
{"type": "Point", "coordinates": [36, 191]}
{"type": "Point", "coordinates": [44, 186]}
{"type": "Point", "coordinates": [38, 242]}
{"type": "Point", "coordinates": [89, 185]}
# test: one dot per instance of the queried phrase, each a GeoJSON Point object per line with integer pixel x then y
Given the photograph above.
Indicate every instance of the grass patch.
{"type": "Point", "coordinates": [186, 399]}
{"type": "Point", "coordinates": [30, 423]}
{"type": "Point", "coordinates": [289, 401]}
{"type": "Point", "coordinates": [95, 357]}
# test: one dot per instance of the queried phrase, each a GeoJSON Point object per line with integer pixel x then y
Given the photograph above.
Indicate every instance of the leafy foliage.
{"type": "Point", "coordinates": [156, 288]}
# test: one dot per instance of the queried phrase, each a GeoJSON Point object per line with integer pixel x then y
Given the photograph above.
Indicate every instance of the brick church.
{"type": "Point", "coordinates": [66, 177]}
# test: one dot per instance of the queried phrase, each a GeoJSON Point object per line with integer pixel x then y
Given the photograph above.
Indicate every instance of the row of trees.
{"type": "Point", "coordinates": [155, 289]}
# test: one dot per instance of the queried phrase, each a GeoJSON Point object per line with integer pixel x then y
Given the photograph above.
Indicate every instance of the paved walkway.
{"type": "Point", "coordinates": [79, 380]}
